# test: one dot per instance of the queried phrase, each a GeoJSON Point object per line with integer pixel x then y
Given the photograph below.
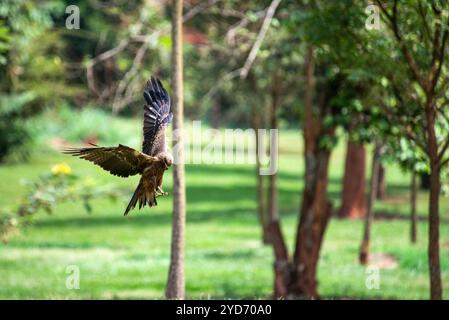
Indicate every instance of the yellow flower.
{"type": "Point", "coordinates": [61, 168]}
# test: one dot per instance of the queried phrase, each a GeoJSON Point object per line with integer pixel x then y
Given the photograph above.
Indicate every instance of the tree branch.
{"type": "Point", "coordinates": [123, 44]}
{"type": "Point", "coordinates": [263, 30]}
{"type": "Point", "coordinates": [444, 148]}
{"type": "Point", "coordinates": [422, 14]}
{"type": "Point", "coordinates": [392, 18]}
{"type": "Point", "coordinates": [144, 38]}
{"type": "Point", "coordinates": [230, 34]}
{"type": "Point", "coordinates": [444, 162]}
{"type": "Point", "coordinates": [441, 55]}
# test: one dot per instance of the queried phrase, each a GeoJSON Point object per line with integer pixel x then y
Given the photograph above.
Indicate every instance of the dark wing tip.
{"type": "Point", "coordinates": [156, 111]}
{"type": "Point", "coordinates": [155, 92]}
{"type": "Point", "coordinates": [154, 84]}
{"type": "Point", "coordinates": [72, 151]}
{"type": "Point", "coordinates": [79, 151]}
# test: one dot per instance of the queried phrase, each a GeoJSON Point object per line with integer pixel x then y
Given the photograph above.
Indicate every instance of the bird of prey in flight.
{"type": "Point", "coordinates": [154, 159]}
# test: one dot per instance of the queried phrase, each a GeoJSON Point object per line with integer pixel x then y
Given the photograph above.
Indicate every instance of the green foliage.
{"type": "Point", "coordinates": [5, 39]}
{"type": "Point", "coordinates": [14, 137]}
{"type": "Point", "coordinates": [49, 190]}
{"type": "Point", "coordinates": [32, 72]}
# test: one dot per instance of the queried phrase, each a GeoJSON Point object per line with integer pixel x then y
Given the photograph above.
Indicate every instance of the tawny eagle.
{"type": "Point", "coordinates": [154, 159]}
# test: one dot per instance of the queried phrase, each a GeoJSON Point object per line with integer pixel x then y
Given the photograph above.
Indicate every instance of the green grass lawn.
{"type": "Point", "coordinates": [122, 257]}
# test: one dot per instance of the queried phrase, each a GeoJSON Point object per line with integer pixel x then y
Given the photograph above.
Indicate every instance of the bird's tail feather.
{"type": "Point", "coordinates": [143, 196]}
{"type": "Point", "coordinates": [132, 203]}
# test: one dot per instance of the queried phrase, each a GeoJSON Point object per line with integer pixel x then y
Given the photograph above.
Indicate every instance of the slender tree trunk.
{"type": "Point", "coordinates": [256, 122]}
{"type": "Point", "coordinates": [436, 292]}
{"type": "Point", "coordinates": [380, 193]}
{"type": "Point", "coordinates": [414, 216]}
{"type": "Point", "coordinates": [434, 235]}
{"type": "Point", "coordinates": [353, 192]}
{"type": "Point", "coordinates": [364, 248]}
{"type": "Point", "coordinates": [175, 285]}
{"type": "Point", "coordinates": [261, 195]}
{"type": "Point", "coordinates": [274, 231]}
{"type": "Point", "coordinates": [282, 269]}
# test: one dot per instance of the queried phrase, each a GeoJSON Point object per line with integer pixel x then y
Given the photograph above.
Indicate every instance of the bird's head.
{"type": "Point", "coordinates": [167, 158]}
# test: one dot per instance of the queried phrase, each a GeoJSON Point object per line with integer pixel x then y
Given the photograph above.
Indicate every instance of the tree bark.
{"type": "Point", "coordinates": [434, 236]}
{"type": "Point", "coordinates": [353, 192]}
{"type": "Point", "coordinates": [436, 292]}
{"type": "Point", "coordinates": [261, 195]}
{"type": "Point", "coordinates": [175, 284]}
{"type": "Point", "coordinates": [256, 122]}
{"type": "Point", "coordinates": [380, 193]}
{"type": "Point", "coordinates": [413, 215]}
{"type": "Point", "coordinates": [274, 231]}
{"type": "Point", "coordinates": [315, 209]}
{"type": "Point", "coordinates": [364, 248]}
{"type": "Point", "coordinates": [315, 213]}
{"type": "Point", "coordinates": [282, 269]}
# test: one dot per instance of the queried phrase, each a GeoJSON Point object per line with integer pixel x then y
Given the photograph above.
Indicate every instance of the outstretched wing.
{"type": "Point", "coordinates": [156, 117]}
{"type": "Point", "coordinates": [121, 161]}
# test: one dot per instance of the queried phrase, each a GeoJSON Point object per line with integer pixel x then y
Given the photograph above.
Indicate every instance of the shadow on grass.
{"type": "Point", "coordinates": [246, 172]}
{"type": "Point", "coordinates": [386, 215]}
{"type": "Point", "coordinates": [227, 203]}
{"type": "Point", "coordinates": [226, 255]}
{"type": "Point", "coordinates": [146, 219]}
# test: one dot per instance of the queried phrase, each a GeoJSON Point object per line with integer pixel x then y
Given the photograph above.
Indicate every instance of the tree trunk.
{"type": "Point", "coordinates": [175, 284]}
{"type": "Point", "coordinates": [281, 260]}
{"type": "Point", "coordinates": [380, 193]}
{"type": "Point", "coordinates": [256, 123]}
{"type": "Point", "coordinates": [414, 217]}
{"type": "Point", "coordinates": [315, 209]}
{"type": "Point", "coordinates": [434, 235]}
{"type": "Point", "coordinates": [364, 248]}
{"type": "Point", "coordinates": [274, 231]}
{"type": "Point", "coordinates": [261, 203]}
{"type": "Point", "coordinates": [353, 193]}
{"type": "Point", "coordinates": [434, 217]}
{"type": "Point", "coordinates": [315, 213]}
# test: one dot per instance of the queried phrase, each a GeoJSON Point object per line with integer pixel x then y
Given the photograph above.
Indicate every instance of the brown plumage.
{"type": "Point", "coordinates": [151, 164]}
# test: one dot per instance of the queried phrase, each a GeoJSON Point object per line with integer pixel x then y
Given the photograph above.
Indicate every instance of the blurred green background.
{"type": "Point", "coordinates": [58, 89]}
